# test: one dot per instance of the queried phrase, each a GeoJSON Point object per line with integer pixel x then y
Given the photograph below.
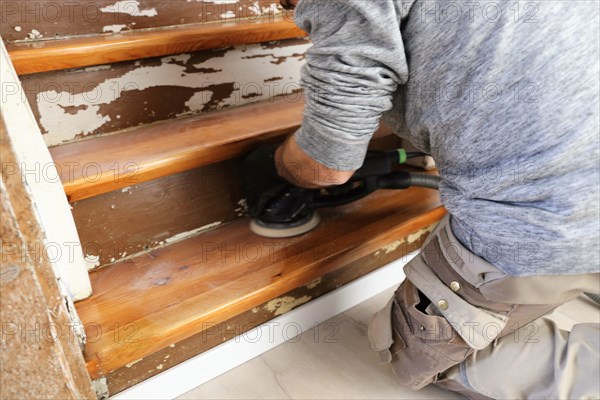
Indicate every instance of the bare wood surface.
{"type": "Point", "coordinates": [52, 55]}
{"type": "Point", "coordinates": [129, 375]}
{"type": "Point", "coordinates": [100, 165]}
{"type": "Point", "coordinates": [143, 305]}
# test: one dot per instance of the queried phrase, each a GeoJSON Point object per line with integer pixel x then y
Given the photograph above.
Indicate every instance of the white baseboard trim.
{"type": "Point", "coordinates": [218, 360]}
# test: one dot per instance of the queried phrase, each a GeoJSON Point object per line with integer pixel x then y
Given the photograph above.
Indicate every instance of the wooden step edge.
{"type": "Point", "coordinates": [241, 327]}
{"type": "Point", "coordinates": [100, 165]}
{"type": "Point", "coordinates": [348, 234]}
{"type": "Point", "coordinates": [52, 55]}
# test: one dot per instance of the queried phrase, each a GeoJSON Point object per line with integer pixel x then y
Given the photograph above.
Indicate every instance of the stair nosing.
{"type": "Point", "coordinates": [59, 54]}
{"type": "Point", "coordinates": [278, 117]}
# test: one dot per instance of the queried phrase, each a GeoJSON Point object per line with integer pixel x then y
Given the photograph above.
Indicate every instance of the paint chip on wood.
{"type": "Point", "coordinates": [242, 210]}
{"type": "Point", "coordinates": [284, 304]}
{"type": "Point", "coordinates": [34, 34]}
{"type": "Point", "coordinates": [131, 7]}
{"type": "Point", "coordinates": [408, 240]}
{"type": "Point", "coordinates": [131, 364]}
{"type": "Point", "coordinates": [92, 261]}
{"type": "Point", "coordinates": [314, 284]}
{"type": "Point", "coordinates": [113, 28]}
{"type": "Point", "coordinates": [185, 235]}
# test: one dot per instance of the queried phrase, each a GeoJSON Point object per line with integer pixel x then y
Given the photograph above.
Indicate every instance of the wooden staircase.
{"type": "Point", "coordinates": [35, 57]}
{"type": "Point", "coordinates": [160, 211]}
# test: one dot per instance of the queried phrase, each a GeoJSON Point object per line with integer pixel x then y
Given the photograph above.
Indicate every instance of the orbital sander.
{"type": "Point", "coordinates": [281, 210]}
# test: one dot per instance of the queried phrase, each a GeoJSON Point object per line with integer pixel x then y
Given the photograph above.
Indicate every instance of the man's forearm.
{"type": "Point", "coordinates": [347, 87]}
{"type": "Point", "coordinates": [294, 165]}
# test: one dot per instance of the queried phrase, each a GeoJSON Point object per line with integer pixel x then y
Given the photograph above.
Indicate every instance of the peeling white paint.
{"type": "Point", "coordinates": [176, 57]}
{"type": "Point", "coordinates": [34, 34]}
{"type": "Point", "coordinates": [255, 8]}
{"type": "Point", "coordinates": [271, 9]}
{"type": "Point", "coordinates": [131, 7]}
{"type": "Point", "coordinates": [242, 209]}
{"type": "Point", "coordinates": [92, 261]}
{"type": "Point", "coordinates": [229, 14]}
{"type": "Point", "coordinates": [314, 284]}
{"type": "Point", "coordinates": [413, 237]}
{"type": "Point", "coordinates": [133, 363]}
{"type": "Point", "coordinates": [18, 28]}
{"type": "Point", "coordinates": [64, 126]}
{"type": "Point", "coordinates": [284, 304]}
{"type": "Point", "coordinates": [188, 234]}
{"type": "Point", "coordinates": [97, 68]}
{"type": "Point", "coordinates": [113, 28]}
{"type": "Point", "coordinates": [247, 67]}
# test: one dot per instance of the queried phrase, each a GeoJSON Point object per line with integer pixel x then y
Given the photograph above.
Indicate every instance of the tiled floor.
{"type": "Point", "coordinates": [331, 361]}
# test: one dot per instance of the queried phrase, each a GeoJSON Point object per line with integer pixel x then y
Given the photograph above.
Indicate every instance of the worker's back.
{"type": "Point", "coordinates": [505, 97]}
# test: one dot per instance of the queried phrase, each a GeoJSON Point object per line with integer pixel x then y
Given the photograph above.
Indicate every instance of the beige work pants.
{"type": "Point", "coordinates": [461, 323]}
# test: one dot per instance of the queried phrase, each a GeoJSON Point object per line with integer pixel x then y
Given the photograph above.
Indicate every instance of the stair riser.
{"type": "Point", "coordinates": [64, 18]}
{"type": "Point", "coordinates": [156, 213]}
{"type": "Point", "coordinates": [72, 104]}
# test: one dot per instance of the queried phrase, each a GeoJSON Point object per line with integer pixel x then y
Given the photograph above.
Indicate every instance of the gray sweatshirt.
{"type": "Point", "coordinates": [503, 94]}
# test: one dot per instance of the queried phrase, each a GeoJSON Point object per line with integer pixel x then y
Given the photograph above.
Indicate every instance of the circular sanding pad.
{"type": "Point", "coordinates": [279, 233]}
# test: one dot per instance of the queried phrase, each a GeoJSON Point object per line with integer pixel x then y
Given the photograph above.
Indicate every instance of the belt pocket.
{"type": "Point", "coordinates": [477, 327]}
{"type": "Point", "coordinates": [429, 344]}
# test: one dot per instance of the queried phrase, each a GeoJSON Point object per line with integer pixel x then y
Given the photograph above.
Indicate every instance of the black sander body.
{"type": "Point", "coordinates": [281, 210]}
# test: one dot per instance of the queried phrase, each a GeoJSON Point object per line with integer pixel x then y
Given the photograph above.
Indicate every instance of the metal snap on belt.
{"type": "Point", "coordinates": [455, 286]}
{"type": "Point", "coordinates": [443, 304]}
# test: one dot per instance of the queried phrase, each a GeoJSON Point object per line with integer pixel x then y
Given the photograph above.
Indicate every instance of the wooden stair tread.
{"type": "Point", "coordinates": [174, 292]}
{"type": "Point", "coordinates": [51, 55]}
{"type": "Point", "coordinates": [103, 164]}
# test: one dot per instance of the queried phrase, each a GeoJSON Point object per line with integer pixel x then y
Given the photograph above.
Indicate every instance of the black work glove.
{"type": "Point", "coordinates": [262, 183]}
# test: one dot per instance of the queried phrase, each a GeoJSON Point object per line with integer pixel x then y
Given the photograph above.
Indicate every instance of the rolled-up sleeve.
{"type": "Point", "coordinates": [352, 70]}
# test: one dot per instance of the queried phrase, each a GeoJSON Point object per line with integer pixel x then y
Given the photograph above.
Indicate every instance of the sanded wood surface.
{"type": "Point", "coordinates": [100, 165]}
{"type": "Point", "coordinates": [51, 55]}
{"type": "Point", "coordinates": [129, 375]}
{"type": "Point", "coordinates": [146, 304]}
